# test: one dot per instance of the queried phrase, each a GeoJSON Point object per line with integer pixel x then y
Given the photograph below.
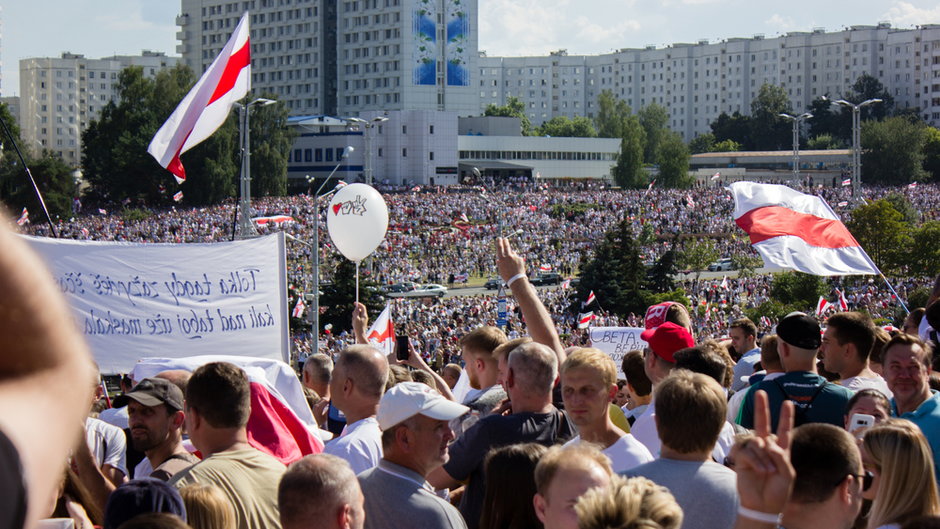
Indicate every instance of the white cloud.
{"type": "Point", "coordinates": [779, 22]}
{"type": "Point", "coordinates": [906, 14]}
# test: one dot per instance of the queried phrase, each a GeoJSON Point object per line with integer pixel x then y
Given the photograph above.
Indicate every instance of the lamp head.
{"type": "Point", "coordinates": [346, 151]}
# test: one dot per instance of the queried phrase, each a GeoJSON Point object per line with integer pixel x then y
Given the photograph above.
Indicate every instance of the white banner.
{"type": "Point", "coordinates": [617, 341]}
{"type": "Point", "coordinates": [174, 300]}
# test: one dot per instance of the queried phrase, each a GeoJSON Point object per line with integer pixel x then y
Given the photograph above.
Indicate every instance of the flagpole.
{"type": "Point", "coordinates": [31, 179]}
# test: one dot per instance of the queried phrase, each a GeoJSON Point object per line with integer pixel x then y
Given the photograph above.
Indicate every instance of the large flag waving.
{"type": "Point", "coordinates": [797, 231]}
{"type": "Point", "coordinates": [207, 105]}
{"type": "Point", "coordinates": [382, 332]}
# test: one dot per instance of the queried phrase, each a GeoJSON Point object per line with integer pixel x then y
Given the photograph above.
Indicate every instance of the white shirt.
{"type": "Point", "coordinates": [745, 368]}
{"type": "Point", "coordinates": [107, 443]}
{"type": "Point", "coordinates": [734, 403]}
{"type": "Point", "coordinates": [624, 454]}
{"type": "Point", "coordinates": [635, 412]}
{"type": "Point", "coordinates": [860, 383]}
{"type": "Point", "coordinates": [644, 429]}
{"type": "Point", "coordinates": [724, 443]}
{"type": "Point", "coordinates": [116, 417]}
{"type": "Point", "coordinates": [360, 445]}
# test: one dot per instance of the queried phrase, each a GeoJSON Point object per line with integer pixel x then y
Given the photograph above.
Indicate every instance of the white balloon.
{"type": "Point", "coordinates": [357, 220]}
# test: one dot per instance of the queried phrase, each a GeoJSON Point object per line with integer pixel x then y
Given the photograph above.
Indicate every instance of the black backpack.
{"type": "Point", "coordinates": [801, 409]}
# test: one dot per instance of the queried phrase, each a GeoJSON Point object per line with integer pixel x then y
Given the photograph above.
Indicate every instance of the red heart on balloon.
{"type": "Point", "coordinates": [336, 208]}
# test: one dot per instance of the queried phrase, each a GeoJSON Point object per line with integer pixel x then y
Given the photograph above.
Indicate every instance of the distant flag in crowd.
{"type": "Point", "coordinates": [566, 284]}
{"type": "Point", "coordinates": [206, 107]}
{"type": "Point", "coordinates": [716, 176]}
{"type": "Point", "coordinates": [533, 208]}
{"type": "Point", "coordinates": [689, 201]}
{"type": "Point", "coordinates": [463, 217]}
{"type": "Point", "coordinates": [843, 303]}
{"type": "Point", "coordinates": [545, 268]}
{"type": "Point", "coordinates": [590, 299]}
{"type": "Point", "coordinates": [382, 332]}
{"type": "Point", "coordinates": [178, 196]}
{"type": "Point", "coordinates": [274, 219]}
{"type": "Point", "coordinates": [724, 283]}
{"type": "Point", "coordinates": [846, 182]}
{"type": "Point", "coordinates": [102, 211]}
{"type": "Point", "coordinates": [299, 307]}
{"type": "Point", "coordinates": [650, 187]}
{"type": "Point", "coordinates": [24, 218]}
{"type": "Point", "coordinates": [912, 185]}
{"type": "Point", "coordinates": [462, 277]}
{"type": "Point", "coordinates": [796, 231]}
{"type": "Point", "coordinates": [842, 204]}
{"type": "Point", "coordinates": [822, 306]}
{"type": "Point", "coordinates": [766, 321]}
{"type": "Point", "coordinates": [85, 232]}
{"type": "Point", "coordinates": [585, 319]}
{"type": "Point", "coordinates": [415, 189]}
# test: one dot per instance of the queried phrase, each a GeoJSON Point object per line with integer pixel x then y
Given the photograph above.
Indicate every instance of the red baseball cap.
{"type": "Point", "coordinates": [666, 339]}
{"type": "Point", "coordinates": [656, 314]}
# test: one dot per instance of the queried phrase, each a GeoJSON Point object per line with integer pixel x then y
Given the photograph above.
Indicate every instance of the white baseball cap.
{"type": "Point", "coordinates": [407, 399]}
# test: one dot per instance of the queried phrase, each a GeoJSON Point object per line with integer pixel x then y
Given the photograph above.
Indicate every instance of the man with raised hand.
{"type": "Point", "coordinates": [415, 434]}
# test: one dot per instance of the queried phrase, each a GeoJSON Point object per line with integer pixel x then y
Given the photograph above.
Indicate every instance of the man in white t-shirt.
{"type": "Point", "coordinates": [108, 445]}
{"type": "Point", "coordinates": [588, 384]}
{"type": "Point", "coordinates": [846, 345]}
{"type": "Point", "coordinates": [359, 378]}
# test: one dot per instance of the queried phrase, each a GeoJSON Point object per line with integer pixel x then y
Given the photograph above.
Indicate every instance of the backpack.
{"type": "Point", "coordinates": [801, 409]}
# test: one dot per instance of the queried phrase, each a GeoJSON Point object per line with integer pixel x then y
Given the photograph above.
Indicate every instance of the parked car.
{"type": "Point", "coordinates": [546, 278]}
{"type": "Point", "coordinates": [494, 283]}
{"type": "Point", "coordinates": [430, 290]}
{"type": "Point", "coordinates": [721, 265]}
{"type": "Point", "coordinates": [400, 287]}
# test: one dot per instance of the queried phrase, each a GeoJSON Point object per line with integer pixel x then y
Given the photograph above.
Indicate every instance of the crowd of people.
{"type": "Point", "coordinates": [793, 425]}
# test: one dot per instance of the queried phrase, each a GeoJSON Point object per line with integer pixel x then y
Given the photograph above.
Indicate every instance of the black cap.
{"type": "Point", "coordinates": [142, 496]}
{"type": "Point", "coordinates": [800, 330]}
{"type": "Point", "coordinates": [153, 392]}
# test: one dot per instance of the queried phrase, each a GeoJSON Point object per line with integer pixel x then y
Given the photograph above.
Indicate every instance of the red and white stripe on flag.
{"type": "Point", "coordinates": [545, 268]}
{"type": "Point", "coordinates": [846, 182]}
{"type": "Point", "coordinates": [281, 423]}
{"type": "Point", "coordinates": [566, 284]}
{"type": "Point", "coordinates": [178, 196]}
{"type": "Point", "coordinates": [590, 299]}
{"type": "Point", "coordinates": [274, 219]}
{"type": "Point", "coordinates": [298, 307]}
{"type": "Point", "coordinates": [207, 105]}
{"type": "Point", "coordinates": [822, 306]}
{"type": "Point", "coordinates": [382, 332]}
{"type": "Point", "coordinates": [796, 231]}
{"type": "Point", "coordinates": [843, 303]}
{"type": "Point", "coordinates": [24, 218]}
{"type": "Point", "coordinates": [584, 320]}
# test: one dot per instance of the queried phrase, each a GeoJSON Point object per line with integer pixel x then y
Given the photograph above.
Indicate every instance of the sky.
{"type": "Point", "coordinates": [100, 28]}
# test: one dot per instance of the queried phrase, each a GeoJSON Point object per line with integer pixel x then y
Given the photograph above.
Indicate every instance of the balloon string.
{"type": "Point", "coordinates": [357, 281]}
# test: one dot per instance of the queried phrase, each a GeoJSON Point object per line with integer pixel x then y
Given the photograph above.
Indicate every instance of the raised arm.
{"type": "Point", "coordinates": [537, 319]}
{"type": "Point", "coordinates": [46, 373]}
{"type": "Point", "coordinates": [360, 322]}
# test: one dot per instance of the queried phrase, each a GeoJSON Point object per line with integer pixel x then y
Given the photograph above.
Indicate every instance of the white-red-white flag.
{"type": "Point", "coordinates": [724, 283]}
{"type": "Point", "coordinates": [796, 231]}
{"type": "Point", "coordinates": [24, 218]}
{"type": "Point", "coordinates": [912, 185]}
{"type": "Point", "coordinates": [178, 196]}
{"type": "Point", "coordinates": [590, 299]}
{"type": "Point", "coordinates": [650, 188]}
{"type": "Point", "coordinates": [273, 219]}
{"type": "Point", "coordinates": [382, 332]}
{"type": "Point", "coordinates": [566, 284]}
{"type": "Point", "coordinates": [716, 176]}
{"type": "Point", "coordinates": [843, 303]}
{"type": "Point", "coordinates": [463, 217]}
{"type": "Point", "coordinates": [298, 307]}
{"type": "Point", "coordinates": [206, 107]}
{"type": "Point", "coordinates": [545, 268]}
{"type": "Point", "coordinates": [846, 182]}
{"type": "Point", "coordinates": [584, 320]}
{"type": "Point", "coordinates": [822, 306]}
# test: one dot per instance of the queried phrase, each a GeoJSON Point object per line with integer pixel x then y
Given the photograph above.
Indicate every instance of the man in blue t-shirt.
{"type": "Point", "coordinates": [906, 361]}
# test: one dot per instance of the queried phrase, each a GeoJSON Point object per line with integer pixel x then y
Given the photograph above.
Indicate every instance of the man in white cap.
{"type": "Point", "coordinates": [415, 434]}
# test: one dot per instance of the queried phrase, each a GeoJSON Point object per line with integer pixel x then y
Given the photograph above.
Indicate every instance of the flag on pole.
{"type": "Point", "coordinates": [178, 196]}
{"type": "Point", "coordinates": [766, 321]}
{"type": "Point", "coordinates": [912, 185]}
{"type": "Point", "coordinates": [545, 268]}
{"type": "Point", "coordinates": [590, 299]}
{"type": "Point", "coordinates": [846, 182]}
{"type": "Point", "coordinates": [843, 204]}
{"type": "Point", "coordinates": [796, 231]}
{"type": "Point", "coordinates": [463, 217]}
{"type": "Point", "coordinates": [566, 284]}
{"type": "Point", "coordinates": [716, 176]}
{"type": "Point", "coordinates": [843, 303]}
{"type": "Point", "coordinates": [584, 320]}
{"type": "Point", "coordinates": [207, 105]}
{"type": "Point", "coordinates": [102, 211]}
{"type": "Point", "coordinates": [382, 332]}
{"type": "Point", "coordinates": [299, 307]}
{"type": "Point", "coordinates": [689, 201]}
{"type": "Point", "coordinates": [822, 306]}
{"type": "Point", "coordinates": [24, 218]}
{"type": "Point", "coordinates": [724, 283]}
{"type": "Point", "coordinates": [650, 188]}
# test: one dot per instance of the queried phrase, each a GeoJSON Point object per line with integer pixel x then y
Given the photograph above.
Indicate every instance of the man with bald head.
{"type": "Point", "coordinates": [327, 479]}
{"type": "Point", "coordinates": [356, 388]}
{"type": "Point", "coordinates": [531, 373]}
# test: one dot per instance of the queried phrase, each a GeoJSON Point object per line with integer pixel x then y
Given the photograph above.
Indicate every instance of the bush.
{"type": "Point", "coordinates": [135, 214]}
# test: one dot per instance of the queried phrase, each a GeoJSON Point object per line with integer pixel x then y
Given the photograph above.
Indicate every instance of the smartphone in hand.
{"type": "Point", "coordinates": [401, 347]}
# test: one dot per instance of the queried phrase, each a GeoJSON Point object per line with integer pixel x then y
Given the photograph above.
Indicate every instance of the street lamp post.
{"type": "Point", "coordinates": [796, 140]}
{"type": "Point", "coordinates": [246, 229]}
{"type": "Point", "coordinates": [856, 140]}
{"type": "Point", "coordinates": [315, 310]}
{"type": "Point", "coordinates": [367, 137]}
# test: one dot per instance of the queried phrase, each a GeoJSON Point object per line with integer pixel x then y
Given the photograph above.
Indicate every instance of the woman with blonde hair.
{"type": "Point", "coordinates": [903, 485]}
{"type": "Point", "coordinates": [207, 507]}
{"type": "Point", "coordinates": [628, 503]}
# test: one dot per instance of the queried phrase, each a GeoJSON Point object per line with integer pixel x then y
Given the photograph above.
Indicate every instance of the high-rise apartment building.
{"type": "Point", "coordinates": [697, 82]}
{"type": "Point", "coordinates": [343, 57]}
{"type": "Point", "coordinates": [60, 96]}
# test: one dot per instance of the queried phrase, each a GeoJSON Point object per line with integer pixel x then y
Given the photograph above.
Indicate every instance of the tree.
{"type": "Point", "coordinates": [823, 142]}
{"type": "Point", "coordinates": [514, 108]}
{"type": "Point", "coordinates": [629, 173]}
{"type": "Point", "coordinates": [769, 131]}
{"type": "Point", "coordinates": [698, 254]}
{"type": "Point", "coordinates": [612, 114]}
{"type": "Point", "coordinates": [673, 159]}
{"type": "Point", "coordinates": [654, 119]}
{"type": "Point", "coordinates": [797, 289]}
{"type": "Point", "coordinates": [338, 297]}
{"type": "Point", "coordinates": [564, 127]}
{"type": "Point", "coordinates": [869, 87]}
{"type": "Point", "coordinates": [727, 146]}
{"type": "Point", "coordinates": [880, 229]}
{"type": "Point", "coordinates": [829, 120]}
{"type": "Point", "coordinates": [735, 127]}
{"type": "Point", "coordinates": [661, 274]}
{"type": "Point", "coordinates": [702, 143]}
{"type": "Point", "coordinates": [617, 272]}
{"type": "Point", "coordinates": [269, 157]}
{"type": "Point", "coordinates": [893, 151]}
{"type": "Point", "coordinates": [923, 256]}
{"type": "Point", "coordinates": [932, 153]}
